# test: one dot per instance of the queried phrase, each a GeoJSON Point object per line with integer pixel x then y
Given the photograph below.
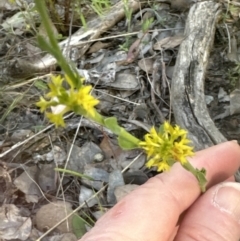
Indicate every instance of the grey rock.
{"type": "Point", "coordinates": [46, 177]}
{"type": "Point", "coordinates": [115, 180]}
{"type": "Point", "coordinates": [21, 135]}
{"type": "Point", "coordinates": [64, 237]}
{"type": "Point", "coordinates": [135, 177]}
{"type": "Point", "coordinates": [81, 156]}
{"type": "Point", "coordinates": [121, 191]}
{"type": "Point", "coordinates": [223, 95]}
{"type": "Point", "coordinates": [235, 102]}
{"type": "Point", "coordinates": [68, 237]}
{"type": "Point", "coordinates": [99, 175]}
{"type": "Point", "coordinates": [128, 156]}
{"type": "Point", "coordinates": [98, 214]}
{"type": "Point", "coordinates": [57, 154]}
{"type": "Point", "coordinates": [26, 182]}
{"type": "Point", "coordinates": [125, 81]}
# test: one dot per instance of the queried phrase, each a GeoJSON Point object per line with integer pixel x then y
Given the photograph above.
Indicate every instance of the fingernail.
{"type": "Point", "coordinates": [234, 141]}
{"type": "Point", "coordinates": [226, 197]}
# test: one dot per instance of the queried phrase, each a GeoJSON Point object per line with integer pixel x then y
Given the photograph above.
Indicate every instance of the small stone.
{"type": "Point", "coordinates": [85, 194]}
{"type": "Point", "coordinates": [141, 111]}
{"type": "Point", "coordinates": [98, 157]}
{"type": "Point", "coordinates": [208, 99]}
{"type": "Point", "coordinates": [98, 214]}
{"type": "Point", "coordinates": [50, 214]}
{"type": "Point", "coordinates": [223, 95]}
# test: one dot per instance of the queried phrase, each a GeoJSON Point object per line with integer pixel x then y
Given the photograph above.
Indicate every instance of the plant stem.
{"type": "Point", "coordinates": [199, 174]}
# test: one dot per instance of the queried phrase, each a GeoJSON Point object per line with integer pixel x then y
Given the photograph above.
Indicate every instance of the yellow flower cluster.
{"type": "Point", "coordinates": [78, 100]}
{"type": "Point", "coordinates": [166, 146]}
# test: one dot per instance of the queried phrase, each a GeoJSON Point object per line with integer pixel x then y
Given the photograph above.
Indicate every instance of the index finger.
{"type": "Point", "coordinates": [151, 211]}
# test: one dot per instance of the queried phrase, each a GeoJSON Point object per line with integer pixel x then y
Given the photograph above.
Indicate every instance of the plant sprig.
{"type": "Point", "coordinates": [52, 47]}
{"type": "Point", "coordinates": [163, 147]}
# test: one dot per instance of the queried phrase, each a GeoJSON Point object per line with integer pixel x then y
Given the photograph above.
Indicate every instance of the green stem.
{"type": "Point", "coordinates": [98, 118]}
{"type": "Point", "coordinates": [126, 135]}
{"type": "Point", "coordinates": [111, 124]}
{"type": "Point", "coordinates": [199, 174]}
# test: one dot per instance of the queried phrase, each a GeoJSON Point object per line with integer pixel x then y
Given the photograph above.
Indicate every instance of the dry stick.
{"type": "Point", "coordinates": [156, 77]}
{"type": "Point", "coordinates": [79, 124]}
{"type": "Point", "coordinates": [234, 3]}
{"type": "Point", "coordinates": [229, 39]}
{"type": "Point", "coordinates": [187, 90]}
{"type": "Point", "coordinates": [14, 147]}
{"type": "Point", "coordinates": [165, 80]}
{"type": "Point", "coordinates": [47, 62]}
{"type": "Point", "coordinates": [60, 183]}
{"type": "Point", "coordinates": [96, 27]}
{"type": "Point", "coordinates": [149, 81]}
{"type": "Point", "coordinates": [69, 154]}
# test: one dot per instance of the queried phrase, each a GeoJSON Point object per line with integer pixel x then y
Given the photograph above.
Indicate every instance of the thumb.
{"type": "Point", "coordinates": [214, 216]}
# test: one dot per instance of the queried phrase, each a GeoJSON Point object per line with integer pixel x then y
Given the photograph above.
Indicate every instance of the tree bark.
{"type": "Point", "coordinates": [187, 88]}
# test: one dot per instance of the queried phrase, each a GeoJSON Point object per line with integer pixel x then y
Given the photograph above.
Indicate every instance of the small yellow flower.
{"type": "Point", "coordinates": [77, 99]}
{"type": "Point", "coordinates": [71, 83]}
{"type": "Point", "coordinates": [43, 104]}
{"type": "Point", "coordinates": [86, 100]}
{"type": "Point", "coordinates": [55, 86]}
{"type": "Point", "coordinates": [166, 146]}
{"type": "Point", "coordinates": [57, 119]}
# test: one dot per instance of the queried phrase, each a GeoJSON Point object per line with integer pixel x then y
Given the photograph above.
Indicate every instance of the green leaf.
{"type": "Point", "coordinates": [161, 129]}
{"type": "Point", "coordinates": [125, 139]}
{"type": "Point", "coordinates": [126, 144]}
{"type": "Point", "coordinates": [74, 173]}
{"type": "Point", "coordinates": [45, 46]}
{"type": "Point", "coordinates": [112, 124]}
{"type": "Point", "coordinates": [41, 85]}
{"type": "Point", "coordinates": [170, 162]}
{"type": "Point", "coordinates": [79, 228]}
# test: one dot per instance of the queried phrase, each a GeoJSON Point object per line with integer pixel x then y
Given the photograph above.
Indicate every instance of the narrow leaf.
{"type": "Point", "coordinates": [126, 144]}
{"type": "Point", "coordinates": [74, 173]}
{"type": "Point", "coordinates": [79, 228]}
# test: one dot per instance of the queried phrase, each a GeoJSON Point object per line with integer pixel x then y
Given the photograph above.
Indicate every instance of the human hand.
{"type": "Point", "coordinates": [152, 211]}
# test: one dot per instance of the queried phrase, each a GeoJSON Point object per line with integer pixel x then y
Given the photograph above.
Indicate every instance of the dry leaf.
{"type": "Point", "coordinates": [12, 224]}
{"type": "Point", "coordinates": [169, 42]}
